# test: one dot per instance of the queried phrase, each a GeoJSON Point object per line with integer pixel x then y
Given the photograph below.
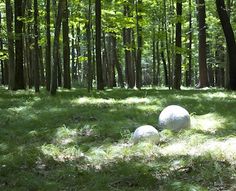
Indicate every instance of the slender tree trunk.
{"type": "Point", "coordinates": [178, 44]}
{"type": "Point", "coordinates": [36, 48]}
{"type": "Point", "coordinates": [66, 47]}
{"type": "Point", "coordinates": [19, 67]}
{"type": "Point", "coordinates": [158, 62]}
{"type": "Point", "coordinates": [230, 41]}
{"type": "Point", "coordinates": [139, 44]}
{"type": "Point", "coordinates": [127, 40]}
{"type": "Point", "coordinates": [41, 67]}
{"type": "Point", "coordinates": [73, 50]}
{"type": "Point", "coordinates": [48, 46]}
{"type": "Point", "coordinates": [100, 85]}
{"type": "Point", "coordinates": [189, 70]}
{"type": "Point", "coordinates": [89, 54]}
{"type": "Point", "coordinates": [76, 69]}
{"type": "Point", "coordinates": [203, 76]}
{"type": "Point", "coordinates": [164, 65]}
{"type": "Point", "coordinates": [154, 65]}
{"type": "Point", "coordinates": [56, 62]}
{"type": "Point", "coordinates": [116, 62]}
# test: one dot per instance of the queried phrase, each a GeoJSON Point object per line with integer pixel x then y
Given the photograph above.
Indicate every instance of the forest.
{"type": "Point", "coordinates": [78, 79]}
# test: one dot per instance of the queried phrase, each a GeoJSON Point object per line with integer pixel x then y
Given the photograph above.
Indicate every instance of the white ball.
{"type": "Point", "coordinates": [146, 133]}
{"type": "Point", "coordinates": [174, 118]}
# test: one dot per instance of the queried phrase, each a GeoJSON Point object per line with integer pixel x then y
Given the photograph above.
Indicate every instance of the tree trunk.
{"type": "Point", "coordinates": [56, 62]}
{"type": "Point", "coordinates": [19, 67]}
{"type": "Point", "coordinates": [66, 47]}
{"type": "Point", "coordinates": [36, 48]}
{"type": "Point", "coordinates": [178, 45]}
{"type": "Point", "coordinates": [164, 65]}
{"type": "Point", "coordinates": [154, 65]}
{"type": "Point", "coordinates": [89, 54]}
{"type": "Point", "coordinates": [189, 70]}
{"type": "Point", "coordinates": [100, 85]}
{"type": "Point", "coordinates": [139, 44]}
{"type": "Point", "coordinates": [230, 41]}
{"type": "Point", "coordinates": [48, 47]}
{"type": "Point", "coordinates": [115, 60]}
{"type": "Point", "coordinates": [203, 76]}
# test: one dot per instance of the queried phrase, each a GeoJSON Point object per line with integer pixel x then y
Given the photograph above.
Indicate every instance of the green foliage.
{"type": "Point", "coordinates": [82, 141]}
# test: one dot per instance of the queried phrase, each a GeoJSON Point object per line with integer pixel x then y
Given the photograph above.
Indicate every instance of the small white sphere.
{"type": "Point", "coordinates": [146, 133]}
{"type": "Point", "coordinates": [174, 118]}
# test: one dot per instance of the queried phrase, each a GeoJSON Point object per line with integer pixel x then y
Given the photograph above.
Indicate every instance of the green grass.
{"type": "Point", "coordinates": [82, 141]}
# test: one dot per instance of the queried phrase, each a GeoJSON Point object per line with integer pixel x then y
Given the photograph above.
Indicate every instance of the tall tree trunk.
{"type": "Point", "coordinates": [19, 66]}
{"type": "Point", "coordinates": [230, 41]}
{"type": "Point", "coordinates": [116, 61]}
{"type": "Point", "coordinates": [36, 48]}
{"type": "Point", "coordinates": [167, 42]}
{"type": "Point", "coordinates": [73, 50]}
{"type": "Point", "coordinates": [100, 85]}
{"type": "Point", "coordinates": [89, 54]}
{"type": "Point", "coordinates": [203, 76]}
{"type": "Point", "coordinates": [48, 46]}
{"type": "Point", "coordinates": [112, 81]}
{"type": "Point", "coordinates": [178, 44]}
{"type": "Point", "coordinates": [164, 65]}
{"type": "Point", "coordinates": [127, 39]}
{"type": "Point", "coordinates": [66, 47]}
{"type": "Point", "coordinates": [56, 62]}
{"type": "Point", "coordinates": [139, 44]}
{"type": "Point", "coordinates": [41, 66]}
{"type": "Point", "coordinates": [154, 65]}
{"type": "Point", "coordinates": [189, 70]}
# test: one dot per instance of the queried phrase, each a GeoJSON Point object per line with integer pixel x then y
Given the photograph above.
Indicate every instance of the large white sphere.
{"type": "Point", "coordinates": [146, 133]}
{"type": "Point", "coordinates": [174, 118]}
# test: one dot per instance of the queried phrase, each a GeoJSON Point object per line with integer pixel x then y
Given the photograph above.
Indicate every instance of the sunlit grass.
{"type": "Point", "coordinates": [83, 141]}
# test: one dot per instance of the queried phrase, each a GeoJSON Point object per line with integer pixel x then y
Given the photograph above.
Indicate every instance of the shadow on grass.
{"type": "Point", "coordinates": [28, 121]}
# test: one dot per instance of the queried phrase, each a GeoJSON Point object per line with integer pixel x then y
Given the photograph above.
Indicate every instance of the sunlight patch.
{"type": "Point", "coordinates": [210, 122]}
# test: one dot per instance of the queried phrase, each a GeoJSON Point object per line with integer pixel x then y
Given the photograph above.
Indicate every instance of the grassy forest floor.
{"type": "Point", "coordinates": [82, 141]}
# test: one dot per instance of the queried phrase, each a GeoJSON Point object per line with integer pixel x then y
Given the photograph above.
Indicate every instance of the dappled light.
{"type": "Point", "coordinates": [91, 134]}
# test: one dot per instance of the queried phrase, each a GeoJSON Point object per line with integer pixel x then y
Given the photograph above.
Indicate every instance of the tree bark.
{"type": "Point", "coordinates": [48, 46]}
{"type": "Point", "coordinates": [19, 67]}
{"type": "Point", "coordinates": [203, 76]}
{"type": "Point", "coordinates": [230, 41]}
{"type": "Point", "coordinates": [178, 44]}
{"type": "Point", "coordinates": [66, 47]}
{"type": "Point", "coordinates": [139, 45]}
{"type": "Point", "coordinates": [100, 85]}
{"type": "Point", "coordinates": [89, 54]}
{"type": "Point", "coordinates": [116, 61]}
{"type": "Point", "coordinates": [55, 66]}
{"type": "Point", "coordinates": [189, 70]}
{"type": "Point", "coordinates": [36, 48]}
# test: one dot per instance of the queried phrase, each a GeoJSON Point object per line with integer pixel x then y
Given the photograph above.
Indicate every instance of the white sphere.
{"type": "Point", "coordinates": [174, 118]}
{"type": "Point", "coordinates": [146, 133]}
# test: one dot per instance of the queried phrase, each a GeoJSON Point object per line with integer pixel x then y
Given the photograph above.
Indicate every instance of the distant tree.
{"type": "Point", "coordinates": [230, 41]}
{"type": "Point", "coordinates": [36, 47]}
{"type": "Point", "coordinates": [139, 5]}
{"type": "Point", "coordinates": [56, 56]}
{"type": "Point", "coordinates": [66, 47]}
{"type": "Point", "coordinates": [178, 44]}
{"type": "Point", "coordinates": [203, 72]}
{"type": "Point", "coordinates": [19, 68]}
{"type": "Point", "coordinates": [48, 45]}
{"type": "Point", "coordinates": [100, 84]}
{"type": "Point", "coordinates": [127, 40]}
{"type": "Point", "coordinates": [89, 52]}
{"type": "Point", "coordinates": [189, 69]}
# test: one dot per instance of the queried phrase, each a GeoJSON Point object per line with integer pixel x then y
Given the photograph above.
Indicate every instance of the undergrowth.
{"type": "Point", "coordinates": [83, 141]}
